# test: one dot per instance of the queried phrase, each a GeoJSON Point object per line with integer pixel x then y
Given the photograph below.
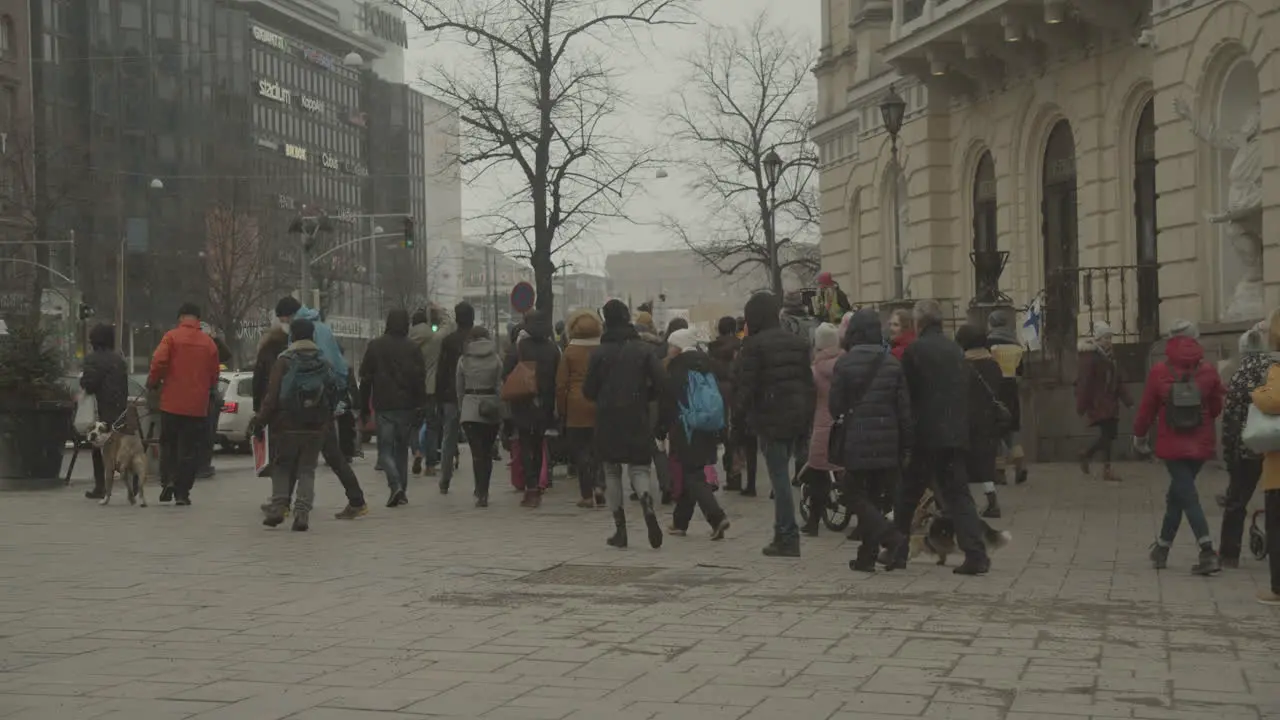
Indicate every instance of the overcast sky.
{"type": "Point", "coordinates": [649, 73]}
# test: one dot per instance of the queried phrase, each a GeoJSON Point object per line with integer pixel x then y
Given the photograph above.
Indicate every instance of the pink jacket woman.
{"type": "Point", "coordinates": [827, 350]}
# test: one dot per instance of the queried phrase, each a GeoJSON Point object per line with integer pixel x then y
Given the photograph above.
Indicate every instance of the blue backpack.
{"type": "Point", "coordinates": [308, 390]}
{"type": "Point", "coordinates": [703, 409]}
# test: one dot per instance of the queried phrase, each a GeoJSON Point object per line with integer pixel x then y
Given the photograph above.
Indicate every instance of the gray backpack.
{"type": "Point", "coordinates": [1185, 408]}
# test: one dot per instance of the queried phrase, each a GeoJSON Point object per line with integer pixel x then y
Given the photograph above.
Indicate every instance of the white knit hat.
{"type": "Point", "coordinates": [1101, 329]}
{"type": "Point", "coordinates": [825, 337]}
{"type": "Point", "coordinates": [684, 340]}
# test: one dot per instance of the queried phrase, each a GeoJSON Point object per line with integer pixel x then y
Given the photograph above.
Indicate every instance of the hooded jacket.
{"type": "Point", "coordinates": [938, 377]}
{"type": "Point", "coordinates": [623, 376]}
{"type": "Point", "coordinates": [1184, 357]}
{"type": "Point", "coordinates": [1255, 361]}
{"type": "Point", "coordinates": [479, 380]}
{"type": "Point", "coordinates": [186, 361]}
{"type": "Point", "coordinates": [878, 426]}
{"type": "Point", "coordinates": [539, 348]}
{"type": "Point", "coordinates": [429, 342]}
{"type": "Point", "coordinates": [583, 330]}
{"type": "Point", "coordinates": [451, 348]}
{"type": "Point", "coordinates": [1267, 399]}
{"type": "Point", "coordinates": [271, 414]}
{"type": "Point", "coordinates": [392, 376]}
{"type": "Point", "coordinates": [1100, 386]}
{"type": "Point", "coordinates": [328, 346]}
{"type": "Point", "coordinates": [106, 376]}
{"type": "Point", "coordinates": [273, 342]}
{"type": "Point", "coordinates": [773, 382]}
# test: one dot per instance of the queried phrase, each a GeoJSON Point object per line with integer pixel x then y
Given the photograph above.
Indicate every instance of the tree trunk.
{"type": "Point", "coordinates": [544, 274]}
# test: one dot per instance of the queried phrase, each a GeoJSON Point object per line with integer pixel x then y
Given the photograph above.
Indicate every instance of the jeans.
{"type": "Point", "coordinates": [480, 437]}
{"type": "Point", "coordinates": [449, 428]}
{"type": "Point", "coordinates": [426, 442]}
{"type": "Point", "coordinates": [582, 449]}
{"type": "Point", "coordinates": [642, 483]}
{"type": "Point", "coordinates": [394, 430]}
{"type": "Point", "coordinates": [943, 469]}
{"type": "Point", "coordinates": [1181, 499]}
{"type": "Point", "coordinates": [696, 491]}
{"type": "Point", "coordinates": [532, 443]}
{"type": "Point", "coordinates": [294, 464]}
{"type": "Point", "coordinates": [1244, 480]}
{"type": "Point", "coordinates": [180, 439]}
{"type": "Point", "coordinates": [777, 456]}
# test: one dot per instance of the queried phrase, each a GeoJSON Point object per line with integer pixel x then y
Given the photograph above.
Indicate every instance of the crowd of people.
{"type": "Point", "coordinates": [889, 410]}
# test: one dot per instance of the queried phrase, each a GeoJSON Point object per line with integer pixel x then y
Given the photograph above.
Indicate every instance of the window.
{"type": "Point", "coordinates": [130, 15]}
{"type": "Point", "coordinates": [6, 36]}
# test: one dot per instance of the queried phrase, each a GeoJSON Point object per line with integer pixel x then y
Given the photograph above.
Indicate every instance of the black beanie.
{"type": "Point", "coordinates": [288, 306]}
{"type": "Point", "coordinates": [616, 314]}
{"type": "Point", "coordinates": [189, 308]}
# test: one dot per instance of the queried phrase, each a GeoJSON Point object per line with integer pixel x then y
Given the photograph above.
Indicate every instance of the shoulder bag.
{"type": "Point", "coordinates": [522, 384]}
{"type": "Point", "coordinates": [835, 440]}
{"type": "Point", "coordinates": [1261, 432]}
{"type": "Point", "coordinates": [1003, 416]}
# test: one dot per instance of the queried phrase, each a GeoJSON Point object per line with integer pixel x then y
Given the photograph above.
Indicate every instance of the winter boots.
{"type": "Point", "coordinates": [651, 521]}
{"type": "Point", "coordinates": [619, 539]}
{"type": "Point", "coordinates": [992, 510]}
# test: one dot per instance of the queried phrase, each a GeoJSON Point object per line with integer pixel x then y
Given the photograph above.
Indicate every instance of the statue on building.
{"type": "Point", "coordinates": [1243, 212]}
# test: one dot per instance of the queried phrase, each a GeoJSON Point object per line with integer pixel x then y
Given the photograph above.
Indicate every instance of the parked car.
{"type": "Point", "coordinates": [237, 410]}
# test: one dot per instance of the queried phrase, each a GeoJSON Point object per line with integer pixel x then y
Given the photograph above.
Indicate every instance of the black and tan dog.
{"type": "Point", "coordinates": [935, 534]}
{"type": "Point", "coordinates": [122, 452]}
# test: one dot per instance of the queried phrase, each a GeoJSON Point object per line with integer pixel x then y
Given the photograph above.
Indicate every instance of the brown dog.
{"type": "Point", "coordinates": [122, 452]}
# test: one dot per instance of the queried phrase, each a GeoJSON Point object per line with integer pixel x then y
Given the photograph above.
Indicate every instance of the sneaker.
{"type": "Point", "coordinates": [721, 528]}
{"type": "Point", "coordinates": [783, 548]}
{"type": "Point", "coordinates": [394, 498]}
{"type": "Point", "coordinates": [184, 501]}
{"type": "Point", "coordinates": [403, 499]}
{"type": "Point", "coordinates": [1020, 477]}
{"type": "Point", "coordinates": [417, 466]}
{"type": "Point", "coordinates": [301, 520]}
{"type": "Point", "coordinates": [1208, 563]}
{"type": "Point", "coordinates": [482, 501]}
{"type": "Point", "coordinates": [444, 488]}
{"type": "Point", "coordinates": [166, 493]}
{"type": "Point", "coordinates": [272, 515]}
{"type": "Point", "coordinates": [95, 494]}
{"type": "Point", "coordinates": [1159, 555]}
{"type": "Point", "coordinates": [749, 492]}
{"type": "Point", "coordinates": [1268, 597]}
{"type": "Point", "coordinates": [972, 566]}
{"type": "Point", "coordinates": [429, 470]}
{"type": "Point", "coordinates": [676, 532]}
{"type": "Point", "coordinates": [351, 512]}
{"type": "Point", "coordinates": [651, 521]}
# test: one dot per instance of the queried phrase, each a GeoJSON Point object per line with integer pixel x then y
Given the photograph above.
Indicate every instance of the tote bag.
{"type": "Point", "coordinates": [86, 414]}
{"type": "Point", "coordinates": [1261, 432]}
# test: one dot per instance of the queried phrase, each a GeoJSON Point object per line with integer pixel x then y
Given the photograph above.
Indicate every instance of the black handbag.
{"type": "Point", "coordinates": [835, 440]}
{"type": "Point", "coordinates": [1003, 416]}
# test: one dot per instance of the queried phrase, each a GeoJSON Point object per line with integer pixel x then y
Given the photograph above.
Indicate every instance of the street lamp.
{"type": "Point", "coordinates": [353, 59]}
{"type": "Point", "coordinates": [892, 110]}
{"type": "Point", "coordinates": [308, 226]}
{"type": "Point", "coordinates": [155, 185]}
{"type": "Point", "coordinates": [772, 168]}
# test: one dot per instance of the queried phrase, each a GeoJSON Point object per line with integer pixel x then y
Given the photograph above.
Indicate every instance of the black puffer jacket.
{"type": "Point", "coordinates": [393, 375]}
{"type": "Point", "coordinates": [939, 382]}
{"type": "Point", "coordinates": [106, 376]}
{"type": "Point", "coordinates": [699, 450]}
{"type": "Point", "coordinates": [878, 427]}
{"type": "Point", "coordinates": [539, 348]}
{"type": "Point", "coordinates": [773, 385]}
{"type": "Point", "coordinates": [622, 378]}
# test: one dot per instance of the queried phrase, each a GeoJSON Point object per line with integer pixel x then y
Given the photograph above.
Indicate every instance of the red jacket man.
{"type": "Point", "coordinates": [186, 362]}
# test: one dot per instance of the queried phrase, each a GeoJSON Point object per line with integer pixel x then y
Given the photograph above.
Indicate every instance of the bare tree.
{"type": "Point", "coordinates": [747, 93]}
{"type": "Point", "coordinates": [538, 98]}
{"type": "Point", "coordinates": [238, 268]}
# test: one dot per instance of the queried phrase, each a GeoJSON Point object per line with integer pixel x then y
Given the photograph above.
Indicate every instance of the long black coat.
{"type": "Point", "coordinates": [984, 438]}
{"type": "Point", "coordinates": [700, 450]}
{"type": "Point", "coordinates": [878, 428]}
{"type": "Point", "coordinates": [106, 378]}
{"type": "Point", "coordinates": [939, 382]}
{"type": "Point", "coordinates": [773, 381]}
{"type": "Point", "coordinates": [623, 377]}
{"type": "Point", "coordinates": [539, 348]}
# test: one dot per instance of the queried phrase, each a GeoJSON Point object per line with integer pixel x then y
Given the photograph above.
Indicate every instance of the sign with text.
{"type": "Point", "coordinates": [266, 37]}
{"type": "Point", "coordinates": [296, 152]}
{"type": "Point", "coordinates": [273, 91]}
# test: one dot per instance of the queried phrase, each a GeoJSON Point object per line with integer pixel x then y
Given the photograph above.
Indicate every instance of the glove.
{"type": "Point", "coordinates": [1141, 446]}
{"type": "Point", "coordinates": [339, 409]}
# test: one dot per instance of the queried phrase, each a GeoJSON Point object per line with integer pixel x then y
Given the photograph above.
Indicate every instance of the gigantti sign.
{"type": "Point", "coordinates": [383, 25]}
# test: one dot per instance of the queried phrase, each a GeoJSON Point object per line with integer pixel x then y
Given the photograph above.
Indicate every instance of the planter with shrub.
{"type": "Point", "coordinates": [36, 410]}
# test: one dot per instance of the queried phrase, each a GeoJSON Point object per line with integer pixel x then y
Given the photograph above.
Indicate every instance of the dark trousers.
{"type": "Point", "coordinates": [582, 450]}
{"type": "Point", "coordinates": [337, 461]}
{"type": "Point", "coordinates": [1107, 430]}
{"type": "Point", "coordinates": [180, 440]}
{"type": "Point", "coordinates": [742, 446]}
{"type": "Point", "coordinates": [695, 490]}
{"type": "Point", "coordinates": [865, 492]}
{"type": "Point", "coordinates": [480, 437]}
{"type": "Point", "coordinates": [531, 440]}
{"type": "Point", "coordinates": [1244, 480]}
{"type": "Point", "coordinates": [346, 423]}
{"type": "Point", "coordinates": [1273, 537]}
{"type": "Point", "coordinates": [943, 469]}
{"type": "Point", "coordinates": [819, 484]}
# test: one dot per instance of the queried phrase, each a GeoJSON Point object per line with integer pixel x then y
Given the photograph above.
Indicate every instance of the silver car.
{"type": "Point", "coordinates": [237, 410]}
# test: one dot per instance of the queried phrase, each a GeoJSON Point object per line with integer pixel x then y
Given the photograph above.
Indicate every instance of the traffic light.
{"type": "Point", "coordinates": [408, 233]}
{"type": "Point", "coordinates": [85, 311]}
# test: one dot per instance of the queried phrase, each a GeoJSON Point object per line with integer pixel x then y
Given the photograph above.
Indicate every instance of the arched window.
{"type": "Point", "coordinates": [985, 256]}
{"type": "Point", "coordinates": [1061, 240]}
{"type": "Point", "coordinates": [6, 36]}
{"type": "Point", "coordinates": [1144, 218]}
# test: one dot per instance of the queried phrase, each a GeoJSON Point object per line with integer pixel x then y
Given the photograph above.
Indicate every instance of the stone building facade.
{"type": "Point", "coordinates": [1049, 130]}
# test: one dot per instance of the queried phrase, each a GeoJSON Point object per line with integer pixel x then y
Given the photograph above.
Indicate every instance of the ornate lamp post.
{"type": "Point", "coordinates": [892, 110]}
{"type": "Point", "coordinates": [772, 169]}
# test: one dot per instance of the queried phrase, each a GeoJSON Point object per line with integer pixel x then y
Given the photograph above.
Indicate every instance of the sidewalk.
{"type": "Point", "coordinates": [440, 610]}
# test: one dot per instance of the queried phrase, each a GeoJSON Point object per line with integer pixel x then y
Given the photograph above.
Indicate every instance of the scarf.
{"type": "Point", "coordinates": [977, 354]}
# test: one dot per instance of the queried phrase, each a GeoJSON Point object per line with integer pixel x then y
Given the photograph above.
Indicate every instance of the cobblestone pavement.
{"type": "Point", "coordinates": [442, 610]}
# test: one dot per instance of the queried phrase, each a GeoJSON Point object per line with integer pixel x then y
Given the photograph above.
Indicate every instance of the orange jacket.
{"type": "Point", "coordinates": [187, 363]}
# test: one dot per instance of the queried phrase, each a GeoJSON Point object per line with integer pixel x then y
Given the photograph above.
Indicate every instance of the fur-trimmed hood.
{"type": "Point", "coordinates": [584, 325]}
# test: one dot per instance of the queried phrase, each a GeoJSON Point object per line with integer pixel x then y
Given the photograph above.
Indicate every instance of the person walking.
{"type": "Point", "coordinates": [393, 383]}
{"type": "Point", "coordinates": [106, 378]}
{"type": "Point", "coordinates": [478, 383]}
{"type": "Point", "coordinates": [427, 332]}
{"type": "Point", "coordinates": [204, 456]}
{"type": "Point", "coordinates": [774, 392]}
{"type": "Point", "coordinates": [1244, 467]}
{"type": "Point", "coordinates": [938, 378]}
{"type": "Point", "coordinates": [622, 378]}
{"type": "Point", "coordinates": [690, 394]}
{"type": "Point", "coordinates": [534, 415]}
{"type": "Point", "coordinates": [1100, 389]}
{"type": "Point", "coordinates": [289, 309]}
{"type": "Point", "coordinates": [869, 390]}
{"type": "Point", "coordinates": [298, 406]}
{"type": "Point", "coordinates": [185, 365]}
{"type": "Point", "coordinates": [985, 429]}
{"type": "Point", "coordinates": [451, 349]}
{"type": "Point", "coordinates": [820, 468]}
{"type": "Point", "coordinates": [1008, 352]}
{"type": "Point", "coordinates": [1182, 399]}
{"type": "Point", "coordinates": [902, 332]}
{"type": "Point", "coordinates": [1267, 399]}
{"type": "Point", "coordinates": [579, 413]}
{"type": "Point", "coordinates": [724, 351]}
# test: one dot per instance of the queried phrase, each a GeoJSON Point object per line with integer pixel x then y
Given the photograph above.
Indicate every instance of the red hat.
{"type": "Point", "coordinates": [825, 280]}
